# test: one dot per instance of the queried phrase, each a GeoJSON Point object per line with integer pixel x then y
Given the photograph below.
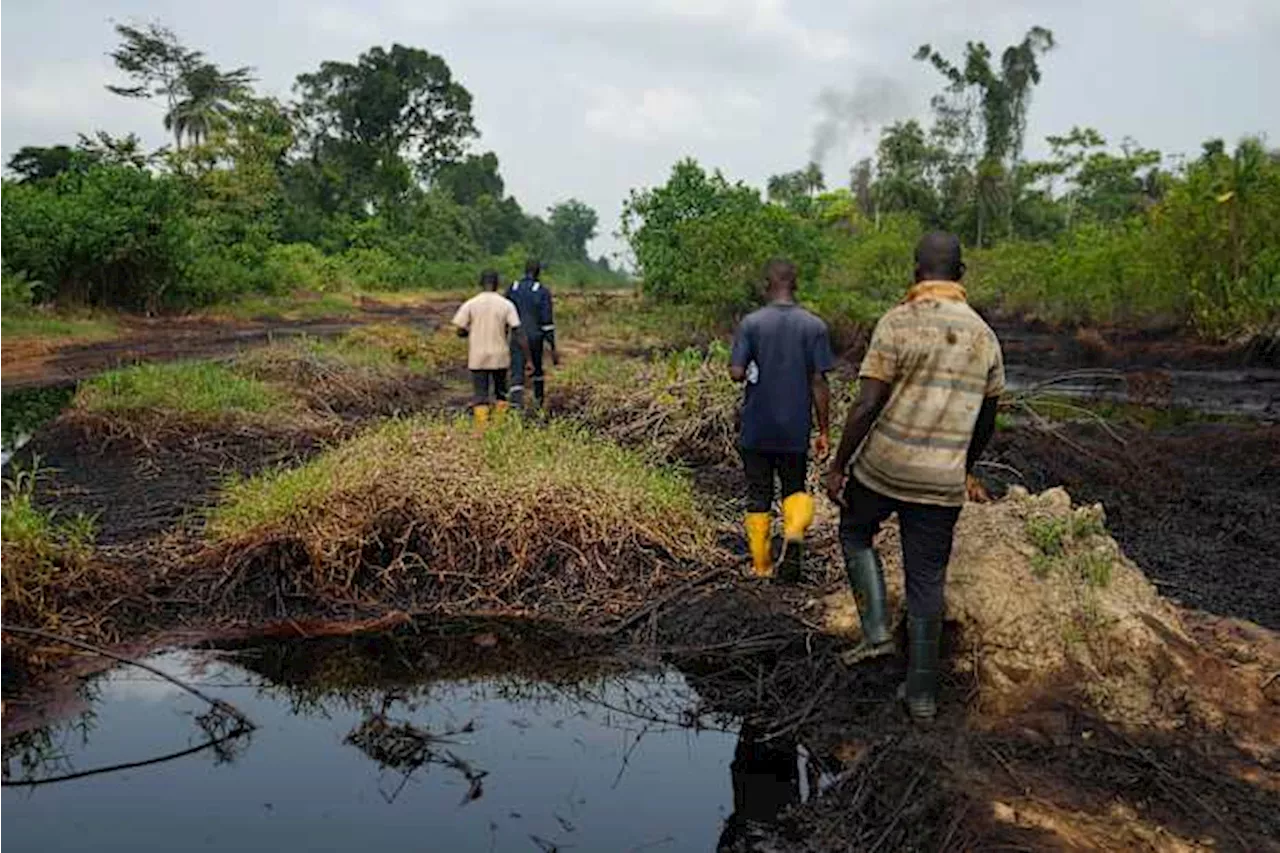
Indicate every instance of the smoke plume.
{"type": "Point", "coordinates": [874, 100]}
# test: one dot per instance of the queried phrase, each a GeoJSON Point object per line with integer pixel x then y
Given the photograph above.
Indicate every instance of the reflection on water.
{"type": "Point", "coordinates": [24, 411]}
{"type": "Point", "coordinates": [607, 761]}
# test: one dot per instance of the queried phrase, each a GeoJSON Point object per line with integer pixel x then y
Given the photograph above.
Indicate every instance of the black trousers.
{"type": "Point", "coordinates": [926, 531]}
{"type": "Point", "coordinates": [482, 380]}
{"type": "Point", "coordinates": [760, 467]}
{"type": "Point", "coordinates": [517, 370]}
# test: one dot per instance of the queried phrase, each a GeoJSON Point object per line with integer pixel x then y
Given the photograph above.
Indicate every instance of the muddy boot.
{"type": "Point", "coordinates": [920, 690]}
{"type": "Point", "coordinates": [866, 578]}
{"type": "Point", "coordinates": [499, 411]}
{"type": "Point", "coordinates": [480, 417]}
{"type": "Point", "coordinates": [516, 396]}
{"type": "Point", "coordinates": [797, 515]}
{"type": "Point", "coordinates": [539, 391]}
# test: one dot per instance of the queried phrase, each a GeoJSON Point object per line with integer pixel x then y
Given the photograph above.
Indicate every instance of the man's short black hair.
{"type": "Point", "coordinates": [780, 271]}
{"type": "Point", "coordinates": [938, 256]}
{"type": "Point", "coordinates": [489, 279]}
{"type": "Point", "coordinates": [532, 267]}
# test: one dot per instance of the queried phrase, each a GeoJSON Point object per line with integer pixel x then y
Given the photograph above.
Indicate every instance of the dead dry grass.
{"type": "Point", "coordinates": [428, 515]}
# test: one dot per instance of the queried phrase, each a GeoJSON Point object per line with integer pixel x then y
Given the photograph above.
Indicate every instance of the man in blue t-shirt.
{"type": "Point", "coordinates": [782, 353]}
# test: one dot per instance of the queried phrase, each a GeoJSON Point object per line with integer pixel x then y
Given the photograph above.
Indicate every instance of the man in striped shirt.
{"type": "Point", "coordinates": [926, 408]}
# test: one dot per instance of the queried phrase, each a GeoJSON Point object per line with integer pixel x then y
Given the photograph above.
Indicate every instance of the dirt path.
{"type": "Point", "coordinates": [34, 363]}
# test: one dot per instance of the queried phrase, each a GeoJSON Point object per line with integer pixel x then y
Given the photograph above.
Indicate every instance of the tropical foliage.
{"type": "Point", "coordinates": [365, 179]}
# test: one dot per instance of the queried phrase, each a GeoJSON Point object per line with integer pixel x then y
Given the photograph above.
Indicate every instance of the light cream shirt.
{"type": "Point", "coordinates": [488, 317]}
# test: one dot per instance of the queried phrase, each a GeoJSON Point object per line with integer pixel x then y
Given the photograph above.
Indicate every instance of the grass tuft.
{"type": "Point", "coordinates": [519, 520]}
{"type": "Point", "coordinates": [200, 388]}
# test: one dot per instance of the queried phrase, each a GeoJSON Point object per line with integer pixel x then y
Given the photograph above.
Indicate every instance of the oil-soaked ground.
{"type": "Point", "coordinates": [345, 758]}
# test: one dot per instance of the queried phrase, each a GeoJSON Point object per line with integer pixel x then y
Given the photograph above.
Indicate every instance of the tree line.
{"type": "Point", "coordinates": [1091, 233]}
{"type": "Point", "coordinates": [366, 178]}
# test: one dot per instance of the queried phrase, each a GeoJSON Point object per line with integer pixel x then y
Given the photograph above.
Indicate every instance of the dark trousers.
{"type": "Point", "coordinates": [760, 467]}
{"type": "Point", "coordinates": [483, 380]}
{"type": "Point", "coordinates": [517, 371]}
{"type": "Point", "coordinates": [926, 540]}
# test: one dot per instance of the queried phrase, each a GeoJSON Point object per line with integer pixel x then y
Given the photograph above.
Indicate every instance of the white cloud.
{"type": "Point", "coordinates": [1224, 19]}
{"type": "Point", "coordinates": [768, 22]}
{"type": "Point", "coordinates": [654, 113]}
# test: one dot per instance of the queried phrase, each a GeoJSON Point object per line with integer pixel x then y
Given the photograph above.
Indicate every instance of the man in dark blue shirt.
{"type": "Point", "coordinates": [782, 353]}
{"type": "Point", "coordinates": [533, 302]}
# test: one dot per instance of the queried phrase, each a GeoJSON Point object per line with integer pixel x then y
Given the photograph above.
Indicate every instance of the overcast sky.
{"type": "Point", "coordinates": [589, 98]}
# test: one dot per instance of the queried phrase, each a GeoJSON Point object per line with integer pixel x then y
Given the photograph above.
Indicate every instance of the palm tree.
{"type": "Point", "coordinates": [209, 98]}
{"type": "Point", "coordinates": [813, 179]}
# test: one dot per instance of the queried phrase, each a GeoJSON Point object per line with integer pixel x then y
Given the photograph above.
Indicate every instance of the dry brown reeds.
{"type": "Point", "coordinates": [430, 516]}
{"type": "Point", "coordinates": [681, 407]}
{"type": "Point", "coordinates": [53, 581]}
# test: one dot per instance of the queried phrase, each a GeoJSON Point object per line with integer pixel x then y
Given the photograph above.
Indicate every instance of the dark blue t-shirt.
{"type": "Point", "coordinates": [781, 346]}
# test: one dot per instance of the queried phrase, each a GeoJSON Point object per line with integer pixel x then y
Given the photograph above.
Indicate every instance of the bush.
{"type": "Point", "coordinates": [203, 389]}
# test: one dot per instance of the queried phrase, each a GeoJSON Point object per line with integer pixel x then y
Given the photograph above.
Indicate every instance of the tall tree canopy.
{"type": "Point", "coordinates": [574, 224]}
{"type": "Point", "coordinates": [380, 123]}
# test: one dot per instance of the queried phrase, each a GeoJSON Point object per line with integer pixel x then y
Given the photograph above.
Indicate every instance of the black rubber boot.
{"type": "Point", "coordinates": [866, 578]}
{"type": "Point", "coordinates": [539, 392]}
{"type": "Point", "coordinates": [920, 692]}
{"type": "Point", "coordinates": [791, 564]}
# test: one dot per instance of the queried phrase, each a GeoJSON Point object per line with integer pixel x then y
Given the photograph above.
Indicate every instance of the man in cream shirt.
{"type": "Point", "coordinates": [486, 320]}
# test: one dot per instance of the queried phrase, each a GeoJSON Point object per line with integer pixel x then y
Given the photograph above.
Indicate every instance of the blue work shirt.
{"type": "Point", "coordinates": [533, 303]}
{"type": "Point", "coordinates": [781, 346]}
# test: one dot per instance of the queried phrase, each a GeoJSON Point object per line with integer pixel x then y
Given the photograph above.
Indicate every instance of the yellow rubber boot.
{"type": "Point", "coordinates": [481, 416]}
{"type": "Point", "coordinates": [757, 525]}
{"type": "Point", "coordinates": [499, 411]}
{"type": "Point", "coordinates": [797, 515]}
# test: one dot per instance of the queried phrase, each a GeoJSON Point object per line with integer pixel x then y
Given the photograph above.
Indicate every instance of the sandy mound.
{"type": "Point", "coordinates": [1045, 601]}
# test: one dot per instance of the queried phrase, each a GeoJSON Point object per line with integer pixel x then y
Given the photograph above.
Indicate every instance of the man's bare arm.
{"type": "Point", "coordinates": [982, 432]}
{"type": "Point", "coordinates": [821, 391]}
{"type": "Point", "coordinates": [872, 397]}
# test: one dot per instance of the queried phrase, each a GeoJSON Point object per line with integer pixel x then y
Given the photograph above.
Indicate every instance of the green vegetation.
{"type": "Point", "coordinates": [1088, 235]}
{"type": "Point", "coordinates": [1068, 542]}
{"type": "Point", "coordinates": [679, 406]}
{"type": "Point", "coordinates": [27, 409]}
{"type": "Point", "coordinates": [42, 560]}
{"type": "Point", "coordinates": [435, 513]}
{"type": "Point", "coordinates": [200, 389]}
{"type": "Point", "coordinates": [364, 182]}
{"type": "Point", "coordinates": [42, 325]}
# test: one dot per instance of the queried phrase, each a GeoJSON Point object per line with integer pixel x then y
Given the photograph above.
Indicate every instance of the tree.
{"type": "Point", "coordinates": [209, 100]}
{"type": "Point", "coordinates": [196, 93]}
{"type": "Point", "coordinates": [374, 126]}
{"type": "Point", "coordinates": [469, 179]}
{"type": "Point", "coordinates": [574, 224]}
{"type": "Point", "coordinates": [1004, 97]}
{"type": "Point", "coordinates": [904, 163]}
{"type": "Point", "coordinates": [36, 163]}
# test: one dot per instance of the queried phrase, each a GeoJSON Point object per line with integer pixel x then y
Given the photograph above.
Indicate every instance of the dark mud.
{"type": "Point", "coordinates": [1194, 507]}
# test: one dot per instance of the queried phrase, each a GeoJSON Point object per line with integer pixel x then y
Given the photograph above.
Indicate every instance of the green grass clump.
{"type": "Point", "coordinates": [192, 388]}
{"type": "Point", "coordinates": [50, 579]}
{"type": "Point", "coordinates": [520, 518]}
{"type": "Point", "coordinates": [1063, 542]}
{"type": "Point", "coordinates": [40, 324]}
{"type": "Point", "coordinates": [1049, 534]}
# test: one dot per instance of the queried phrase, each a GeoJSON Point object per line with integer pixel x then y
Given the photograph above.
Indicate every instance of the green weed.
{"type": "Point", "coordinates": [1049, 534]}
{"type": "Point", "coordinates": [41, 324]}
{"type": "Point", "coordinates": [200, 388]}
{"type": "Point", "coordinates": [1093, 567]}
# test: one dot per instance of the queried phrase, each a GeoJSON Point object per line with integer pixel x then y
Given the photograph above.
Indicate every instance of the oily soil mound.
{"type": "Point", "coordinates": [432, 517]}
{"type": "Point", "coordinates": [1046, 605]}
{"type": "Point", "coordinates": [1195, 507]}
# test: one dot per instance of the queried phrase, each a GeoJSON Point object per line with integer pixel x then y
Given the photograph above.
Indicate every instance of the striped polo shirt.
{"type": "Point", "coordinates": [942, 359]}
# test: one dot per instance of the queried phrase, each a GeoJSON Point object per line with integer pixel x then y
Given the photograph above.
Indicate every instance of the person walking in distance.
{"type": "Point", "coordinates": [486, 320]}
{"type": "Point", "coordinates": [926, 408]}
{"type": "Point", "coordinates": [533, 302]}
{"type": "Point", "coordinates": [782, 353]}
